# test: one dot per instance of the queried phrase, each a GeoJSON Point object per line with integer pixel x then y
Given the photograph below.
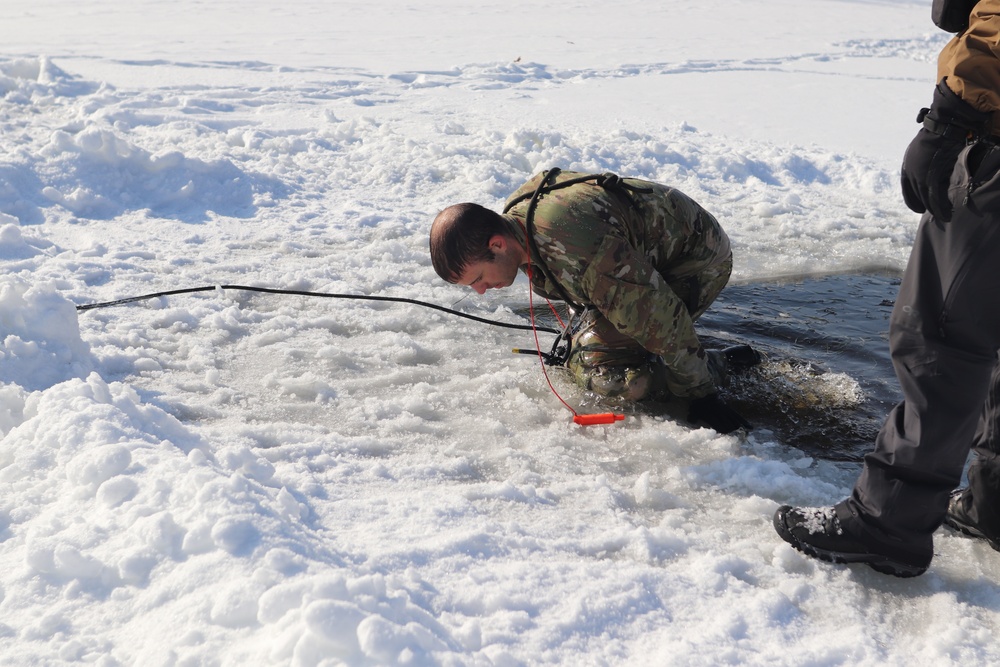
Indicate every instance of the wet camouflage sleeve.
{"type": "Point", "coordinates": [624, 286]}
{"type": "Point", "coordinates": [631, 260]}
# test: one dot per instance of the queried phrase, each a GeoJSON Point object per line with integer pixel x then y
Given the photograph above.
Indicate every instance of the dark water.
{"type": "Point", "coordinates": [827, 382]}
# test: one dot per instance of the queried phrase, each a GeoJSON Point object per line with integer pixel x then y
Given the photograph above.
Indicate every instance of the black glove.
{"type": "Point", "coordinates": [740, 358]}
{"type": "Point", "coordinates": [948, 126]}
{"type": "Point", "coordinates": [712, 411]}
{"type": "Point", "coordinates": [952, 15]}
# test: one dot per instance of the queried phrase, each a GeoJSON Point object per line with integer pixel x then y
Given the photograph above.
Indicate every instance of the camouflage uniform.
{"type": "Point", "coordinates": [649, 260]}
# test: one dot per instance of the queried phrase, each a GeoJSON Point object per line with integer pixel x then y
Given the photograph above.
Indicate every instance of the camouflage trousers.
{"type": "Point", "coordinates": [609, 363]}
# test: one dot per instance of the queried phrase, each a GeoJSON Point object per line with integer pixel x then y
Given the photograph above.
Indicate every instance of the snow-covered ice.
{"type": "Point", "coordinates": [232, 478]}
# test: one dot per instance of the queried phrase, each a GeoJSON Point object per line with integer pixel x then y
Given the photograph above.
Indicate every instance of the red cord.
{"type": "Point", "coordinates": [551, 307]}
{"type": "Point", "coordinates": [582, 420]}
{"type": "Point", "coordinates": [538, 347]}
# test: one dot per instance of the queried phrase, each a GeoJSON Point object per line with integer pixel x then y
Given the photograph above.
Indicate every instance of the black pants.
{"type": "Point", "coordinates": [944, 335]}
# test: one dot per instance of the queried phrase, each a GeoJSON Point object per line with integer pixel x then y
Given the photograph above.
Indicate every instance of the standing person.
{"type": "Point", "coordinates": [944, 332]}
{"type": "Point", "coordinates": [641, 261]}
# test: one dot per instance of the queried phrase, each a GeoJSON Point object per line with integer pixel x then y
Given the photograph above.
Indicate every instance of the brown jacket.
{"type": "Point", "coordinates": [970, 63]}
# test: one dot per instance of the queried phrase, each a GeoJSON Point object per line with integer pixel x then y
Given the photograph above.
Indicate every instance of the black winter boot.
{"type": "Point", "coordinates": [958, 517]}
{"type": "Point", "coordinates": [817, 532]}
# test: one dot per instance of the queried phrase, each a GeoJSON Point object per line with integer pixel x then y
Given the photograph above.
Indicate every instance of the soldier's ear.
{"type": "Point", "coordinates": [498, 243]}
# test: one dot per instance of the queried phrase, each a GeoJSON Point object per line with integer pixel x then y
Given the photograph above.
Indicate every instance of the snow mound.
{"type": "Point", "coordinates": [41, 344]}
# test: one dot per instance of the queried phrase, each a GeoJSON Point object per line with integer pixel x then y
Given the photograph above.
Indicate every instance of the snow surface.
{"type": "Point", "coordinates": [243, 479]}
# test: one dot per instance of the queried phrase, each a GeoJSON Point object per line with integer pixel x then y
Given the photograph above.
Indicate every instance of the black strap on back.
{"type": "Point", "coordinates": [608, 180]}
{"type": "Point", "coordinates": [529, 230]}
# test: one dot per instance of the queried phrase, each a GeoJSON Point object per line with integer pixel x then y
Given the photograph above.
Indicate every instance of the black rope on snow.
{"type": "Point", "coordinates": [326, 295]}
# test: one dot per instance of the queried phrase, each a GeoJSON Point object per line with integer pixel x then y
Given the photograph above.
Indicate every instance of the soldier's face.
{"type": "Point", "coordinates": [496, 273]}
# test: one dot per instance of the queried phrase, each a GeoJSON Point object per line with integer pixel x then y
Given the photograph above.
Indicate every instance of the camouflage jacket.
{"type": "Point", "coordinates": [628, 254]}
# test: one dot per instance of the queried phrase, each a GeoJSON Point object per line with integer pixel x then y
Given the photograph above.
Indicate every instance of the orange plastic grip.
{"type": "Point", "coordinates": [604, 418]}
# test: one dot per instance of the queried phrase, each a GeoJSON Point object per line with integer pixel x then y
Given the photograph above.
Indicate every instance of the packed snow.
{"type": "Point", "coordinates": [232, 478]}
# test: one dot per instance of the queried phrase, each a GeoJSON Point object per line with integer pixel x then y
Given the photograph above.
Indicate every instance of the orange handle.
{"type": "Point", "coordinates": [604, 418]}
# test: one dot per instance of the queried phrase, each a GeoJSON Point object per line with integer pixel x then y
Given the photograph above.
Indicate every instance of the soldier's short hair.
{"type": "Point", "coordinates": [460, 235]}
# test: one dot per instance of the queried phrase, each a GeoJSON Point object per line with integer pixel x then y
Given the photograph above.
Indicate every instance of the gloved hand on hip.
{"type": "Point", "coordinates": [948, 126]}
